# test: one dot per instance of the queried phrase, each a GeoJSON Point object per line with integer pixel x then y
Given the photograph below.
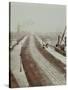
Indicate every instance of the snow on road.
{"type": "Point", "coordinates": [13, 42]}
{"type": "Point", "coordinates": [53, 52]}
{"type": "Point", "coordinates": [56, 77]}
{"type": "Point", "coordinates": [16, 62]}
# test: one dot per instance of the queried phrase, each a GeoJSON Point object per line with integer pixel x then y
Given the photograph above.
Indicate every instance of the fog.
{"type": "Point", "coordinates": [38, 17]}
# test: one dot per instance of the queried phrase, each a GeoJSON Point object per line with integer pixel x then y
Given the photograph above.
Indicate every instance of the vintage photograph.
{"type": "Point", "coordinates": [37, 44]}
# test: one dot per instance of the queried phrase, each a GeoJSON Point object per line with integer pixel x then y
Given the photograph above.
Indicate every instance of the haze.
{"type": "Point", "coordinates": [38, 17]}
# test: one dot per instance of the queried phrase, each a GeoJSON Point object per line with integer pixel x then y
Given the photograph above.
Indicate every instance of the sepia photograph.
{"type": "Point", "coordinates": [37, 44]}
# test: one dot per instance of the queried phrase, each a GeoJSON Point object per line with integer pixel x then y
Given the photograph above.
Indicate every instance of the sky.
{"type": "Point", "coordinates": [37, 17]}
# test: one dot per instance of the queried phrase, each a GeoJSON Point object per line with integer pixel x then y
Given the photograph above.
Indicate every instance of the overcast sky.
{"type": "Point", "coordinates": [38, 17]}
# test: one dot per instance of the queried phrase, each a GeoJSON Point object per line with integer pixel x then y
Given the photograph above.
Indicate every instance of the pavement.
{"type": "Point", "coordinates": [47, 69]}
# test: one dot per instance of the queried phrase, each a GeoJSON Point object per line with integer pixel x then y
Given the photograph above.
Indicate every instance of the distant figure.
{"type": "Point", "coordinates": [44, 45]}
{"type": "Point", "coordinates": [47, 45]}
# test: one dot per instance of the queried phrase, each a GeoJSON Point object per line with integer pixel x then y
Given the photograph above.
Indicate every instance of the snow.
{"type": "Point", "coordinates": [53, 52]}
{"type": "Point", "coordinates": [16, 63]}
{"type": "Point", "coordinates": [56, 55]}
{"type": "Point", "coordinates": [54, 75]}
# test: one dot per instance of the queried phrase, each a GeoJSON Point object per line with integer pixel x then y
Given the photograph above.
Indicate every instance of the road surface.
{"type": "Point", "coordinates": [56, 77]}
{"type": "Point", "coordinates": [36, 68]}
